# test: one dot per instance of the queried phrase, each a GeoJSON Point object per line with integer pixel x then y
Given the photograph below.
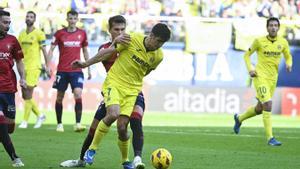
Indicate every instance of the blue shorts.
{"type": "Point", "coordinates": [101, 111]}
{"type": "Point", "coordinates": [7, 105]}
{"type": "Point", "coordinates": [64, 78]}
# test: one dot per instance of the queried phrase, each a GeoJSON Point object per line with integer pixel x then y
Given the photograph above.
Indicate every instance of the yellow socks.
{"type": "Point", "coordinates": [124, 149]}
{"type": "Point", "coordinates": [267, 124]}
{"type": "Point", "coordinates": [27, 109]}
{"type": "Point", "coordinates": [100, 132]}
{"type": "Point", "coordinates": [35, 108]}
{"type": "Point", "coordinates": [248, 114]}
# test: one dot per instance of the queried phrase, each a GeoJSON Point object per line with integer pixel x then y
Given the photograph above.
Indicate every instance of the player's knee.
{"type": "Point", "coordinates": [267, 106]}
{"type": "Point", "coordinates": [122, 131]}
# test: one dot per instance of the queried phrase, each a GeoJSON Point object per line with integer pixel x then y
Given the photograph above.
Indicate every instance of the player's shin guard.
{"type": "Point", "coordinates": [101, 131]}
{"type": "Point", "coordinates": [138, 135]}
{"type": "Point", "coordinates": [35, 108]}
{"type": "Point", "coordinates": [78, 109]}
{"type": "Point", "coordinates": [124, 149]}
{"type": "Point", "coordinates": [5, 139]}
{"type": "Point", "coordinates": [267, 124]}
{"type": "Point", "coordinates": [58, 110]}
{"type": "Point", "coordinates": [87, 142]}
{"type": "Point", "coordinates": [250, 112]}
{"type": "Point", "coordinates": [27, 109]}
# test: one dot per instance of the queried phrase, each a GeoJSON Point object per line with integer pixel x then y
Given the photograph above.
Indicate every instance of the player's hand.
{"type": "Point", "coordinates": [253, 73]}
{"type": "Point", "coordinates": [288, 68]}
{"type": "Point", "coordinates": [78, 64]}
{"type": "Point", "coordinates": [23, 83]}
{"type": "Point", "coordinates": [123, 39]}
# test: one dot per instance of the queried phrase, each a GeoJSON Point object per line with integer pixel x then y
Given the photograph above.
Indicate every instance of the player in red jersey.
{"type": "Point", "coordinates": [70, 40]}
{"type": "Point", "coordinates": [10, 50]}
{"type": "Point", "coordinates": [117, 25]}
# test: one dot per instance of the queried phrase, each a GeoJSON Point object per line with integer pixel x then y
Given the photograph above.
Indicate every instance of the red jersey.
{"type": "Point", "coordinates": [69, 45]}
{"type": "Point", "coordinates": [108, 63]}
{"type": "Point", "coordinates": [10, 49]}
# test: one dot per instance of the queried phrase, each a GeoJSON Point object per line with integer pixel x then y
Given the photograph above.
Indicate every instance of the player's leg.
{"type": "Point", "coordinates": [32, 79]}
{"type": "Point", "coordinates": [137, 130]}
{"type": "Point", "coordinates": [267, 111]}
{"type": "Point", "coordinates": [124, 141]}
{"type": "Point", "coordinates": [127, 102]}
{"type": "Point", "coordinates": [101, 130]}
{"type": "Point", "coordinates": [27, 96]}
{"type": "Point", "coordinates": [112, 101]}
{"type": "Point", "coordinates": [61, 84]}
{"type": "Point", "coordinates": [100, 114]}
{"type": "Point", "coordinates": [7, 123]}
{"type": "Point", "coordinates": [76, 81]}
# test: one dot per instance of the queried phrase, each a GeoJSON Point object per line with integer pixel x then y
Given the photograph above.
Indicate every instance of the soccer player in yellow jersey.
{"type": "Point", "coordinates": [32, 40]}
{"type": "Point", "coordinates": [265, 74]}
{"type": "Point", "coordinates": [124, 81]}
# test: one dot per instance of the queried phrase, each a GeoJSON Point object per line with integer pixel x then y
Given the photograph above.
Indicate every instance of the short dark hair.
{"type": "Point", "coordinates": [115, 19]}
{"type": "Point", "coordinates": [273, 19]}
{"type": "Point", "coordinates": [33, 13]}
{"type": "Point", "coordinates": [161, 30]}
{"type": "Point", "coordinates": [4, 13]}
{"type": "Point", "coordinates": [72, 12]}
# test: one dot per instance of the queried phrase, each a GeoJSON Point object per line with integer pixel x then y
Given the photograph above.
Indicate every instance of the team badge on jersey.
{"type": "Point", "coordinates": [79, 36]}
{"type": "Point", "coordinates": [279, 47]}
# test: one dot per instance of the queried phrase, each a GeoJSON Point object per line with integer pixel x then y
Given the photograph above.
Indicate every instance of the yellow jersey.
{"type": "Point", "coordinates": [30, 44]}
{"type": "Point", "coordinates": [133, 63]}
{"type": "Point", "coordinates": [269, 52]}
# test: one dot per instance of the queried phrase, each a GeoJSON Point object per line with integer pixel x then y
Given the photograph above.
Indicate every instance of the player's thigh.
{"type": "Point", "coordinates": [61, 81]}
{"type": "Point", "coordinates": [111, 95]}
{"type": "Point", "coordinates": [8, 106]}
{"type": "Point", "coordinates": [76, 80]}
{"type": "Point", "coordinates": [32, 77]}
{"type": "Point", "coordinates": [263, 89]}
{"type": "Point", "coordinates": [127, 105]}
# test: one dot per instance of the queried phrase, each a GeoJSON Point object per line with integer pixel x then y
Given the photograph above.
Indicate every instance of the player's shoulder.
{"type": "Point", "coordinates": [10, 37]}
{"type": "Point", "coordinates": [282, 39]}
{"type": "Point", "coordinates": [105, 45]}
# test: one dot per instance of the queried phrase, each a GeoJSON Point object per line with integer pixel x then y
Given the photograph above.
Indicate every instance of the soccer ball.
{"type": "Point", "coordinates": [161, 158]}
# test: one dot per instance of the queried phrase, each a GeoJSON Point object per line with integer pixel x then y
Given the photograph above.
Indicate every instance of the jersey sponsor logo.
{"type": "Point", "coordinates": [140, 61]}
{"type": "Point", "coordinates": [271, 53]}
{"type": "Point", "coordinates": [4, 55]}
{"type": "Point", "coordinates": [72, 43]}
{"type": "Point", "coordinates": [26, 43]}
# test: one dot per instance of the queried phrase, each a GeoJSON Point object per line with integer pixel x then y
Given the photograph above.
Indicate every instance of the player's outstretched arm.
{"type": "Point", "coordinates": [99, 57]}
{"type": "Point", "coordinates": [20, 67]}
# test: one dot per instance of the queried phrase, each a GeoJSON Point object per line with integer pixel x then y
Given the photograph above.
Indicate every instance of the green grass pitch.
{"type": "Point", "coordinates": [195, 142]}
